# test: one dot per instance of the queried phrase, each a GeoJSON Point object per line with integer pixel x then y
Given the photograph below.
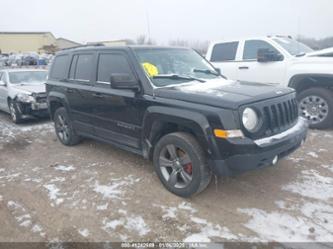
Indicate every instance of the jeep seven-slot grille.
{"type": "Point", "coordinates": [280, 116]}
{"type": "Point", "coordinates": [277, 115]}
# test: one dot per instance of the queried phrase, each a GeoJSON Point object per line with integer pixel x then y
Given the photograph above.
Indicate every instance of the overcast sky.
{"type": "Point", "coordinates": [96, 20]}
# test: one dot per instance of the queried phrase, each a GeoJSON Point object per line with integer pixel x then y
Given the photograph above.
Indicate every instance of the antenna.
{"type": "Point", "coordinates": [148, 21]}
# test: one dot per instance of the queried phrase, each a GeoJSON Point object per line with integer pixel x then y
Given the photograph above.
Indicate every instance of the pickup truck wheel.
{"type": "Point", "coordinates": [14, 112]}
{"type": "Point", "coordinates": [181, 164]}
{"type": "Point", "coordinates": [64, 129]}
{"type": "Point", "coordinates": [316, 105]}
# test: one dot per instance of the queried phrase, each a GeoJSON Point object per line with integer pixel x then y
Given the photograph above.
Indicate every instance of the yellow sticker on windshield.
{"type": "Point", "coordinates": [151, 69]}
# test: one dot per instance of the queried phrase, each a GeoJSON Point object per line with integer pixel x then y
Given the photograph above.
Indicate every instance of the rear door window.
{"type": "Point", "coordinates": [59, 67]}
{"type": "Point", "coordinates": [224, 52]}
{"type": "Point", "coordinates": [84, 67]}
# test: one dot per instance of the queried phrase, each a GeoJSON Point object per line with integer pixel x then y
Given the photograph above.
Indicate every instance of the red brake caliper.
{"type": "Point", "coordinates": [188, 168]}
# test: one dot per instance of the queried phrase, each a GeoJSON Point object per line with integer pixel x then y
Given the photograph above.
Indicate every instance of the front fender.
{"type": "Point", "coordinates": [197, 122]}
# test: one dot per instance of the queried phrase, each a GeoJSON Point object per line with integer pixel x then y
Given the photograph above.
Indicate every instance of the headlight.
{"type": "Point", "coordinates": [25, 98]}
{"type": "Point", "coordinates": [250, 119]}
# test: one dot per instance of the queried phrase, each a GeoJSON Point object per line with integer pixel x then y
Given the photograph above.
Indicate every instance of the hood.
{"type": "Point", "coordinates": [31, 87]}
{"type": "Point", "coordinates": [327, 52]}
{"type": "Point", "coordinates": [221, 93]}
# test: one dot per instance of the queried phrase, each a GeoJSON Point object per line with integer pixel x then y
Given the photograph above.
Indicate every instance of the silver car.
{"type": "Point", "coordinates": [23, 93]}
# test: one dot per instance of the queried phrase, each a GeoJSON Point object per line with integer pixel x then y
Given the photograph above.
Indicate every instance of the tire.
{"type": "Point", "coordinates": [14, 112]}
{"type": "Point", "coordinates": [316, 105]}
{"type": "Point", "coordinates": [64, 128]}
{"type": "Point", "coordinates": [188, 167]}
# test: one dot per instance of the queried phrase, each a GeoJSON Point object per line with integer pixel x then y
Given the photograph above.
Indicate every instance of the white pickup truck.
{"type": "Point", "coordinates": [280, 60]}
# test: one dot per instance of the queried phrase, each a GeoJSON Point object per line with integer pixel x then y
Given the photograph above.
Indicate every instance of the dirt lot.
{"type": "Point", "coordinates": [95, 192]}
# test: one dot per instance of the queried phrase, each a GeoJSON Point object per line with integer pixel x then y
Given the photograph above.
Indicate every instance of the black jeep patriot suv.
{"type": "Point", "coordinates": [171, 106]}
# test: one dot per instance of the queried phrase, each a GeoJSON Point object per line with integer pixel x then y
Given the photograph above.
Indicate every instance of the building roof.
{"type": "Point", "coordinates": [26, 33]}
{"type": "Point", "coordinates": [20, 33]}
{"type": "Point", "coordinates": [67, 40]}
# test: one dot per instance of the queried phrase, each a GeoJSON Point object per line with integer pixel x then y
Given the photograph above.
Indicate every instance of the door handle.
{"type": "Point", "coordinates": [69, 90]}
{"type": "Point", "coordinates": [98, 95]}
{"type": "Point", "coordinates": [243, 67]}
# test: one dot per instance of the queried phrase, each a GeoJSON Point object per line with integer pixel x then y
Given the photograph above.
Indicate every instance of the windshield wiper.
{"type": "Point", "coordinates": [300, 54]}
{"type": "Point", "coordinates": [206, 71]}
{"type": "Point", "coordinates": [177, 77]}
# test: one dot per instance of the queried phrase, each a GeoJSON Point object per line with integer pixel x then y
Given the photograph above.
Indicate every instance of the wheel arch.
{"type": "Point", "coordinates": [160, 121]}
{"type": "Point", "coordinates": [302, 82]}
{"type": "Point", "coordinates": [56, 100]}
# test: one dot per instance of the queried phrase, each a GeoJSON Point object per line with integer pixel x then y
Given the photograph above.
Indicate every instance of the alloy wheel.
{"type": "Point", "coordinates": [12, 111]}
{"type": "Point", "coordinates": [176, 166]}
{"type": "Point", "coordinates": [62, 128]}
{"type": "Point", "coordinates": [314, 108]}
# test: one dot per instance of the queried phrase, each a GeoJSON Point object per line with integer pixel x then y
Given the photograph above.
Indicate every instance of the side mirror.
{"type": "Point", "coordinates": [267, 55]}
{"type": "Point", "coordinates": [123, 81]}
{"type": "Point", "coordinates": [2, 83]}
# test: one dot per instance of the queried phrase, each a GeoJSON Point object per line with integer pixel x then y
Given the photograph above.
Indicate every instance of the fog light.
{"type": "Point", "coordinates": [275, 159]}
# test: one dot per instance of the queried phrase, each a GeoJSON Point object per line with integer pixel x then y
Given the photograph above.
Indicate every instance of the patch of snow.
{"type": "Point", "coordinates": [132, 223]}
{"type": "Point", "coordinates": [113, 224]}
{"type": "Point", "coordinates": [320, 214]}
{"type": "Point", "coordinates": [58, 179]}
{"type": "Point", "coordinates": [137, 224]}
{"type": "Point", "coordinates": [36, 228]}
{"type": "Point", "coordinates": [198, 220]}
{"type": "Point", "coordinates": [22, 217]}
{"type": "Point", "coordinates": [26, 223]}
{"type": "Point", "coordinates": [187, 206]}
{"type": "Point", "coordinates": [2, 170]}
{"type": "Point", "coordinates": [208, 231]}
{"type": "Point", "coordinates": [64, 168]}
{"type": "Point", "coordinates": [210, 87]}
{"type": "Point", "coordinates": [329, 167]}
{"type": "Point", "coordinates": [115, 189]}
{"type": "Point", "coordinates": [102, 207]}
{"type": "Point", "coordinates": [122, 211]}
{"type": "Point", "coordinates": [84, 232]}
{"type": "Point", "coordinates": [313, 185]}
{"type": "Point", "coordinates": [170, 212]}
{"type": "Point", "coordinates": [313, 154]}
{"type": "Point", "coordinates": [279, 226]}
{"type": "Point", "coordinates": [53, 193]}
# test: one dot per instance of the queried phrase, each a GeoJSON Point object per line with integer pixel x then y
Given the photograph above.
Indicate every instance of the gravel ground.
{"type": "Point", "coordinates": [95, 192]}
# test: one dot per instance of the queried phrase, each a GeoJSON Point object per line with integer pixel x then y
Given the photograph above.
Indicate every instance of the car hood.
{"type": "Point", "coordinates": [327, 52]}
{"type": "Point", "coordinates": [221, 93]}
{"type": "Point", "coordinates": [31, 87]}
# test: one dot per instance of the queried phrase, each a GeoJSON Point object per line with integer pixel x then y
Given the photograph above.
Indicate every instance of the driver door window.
{"type": "Point", "coordinates": [249, 69]}
{"type": "Point", "coordinates": [251, 48]}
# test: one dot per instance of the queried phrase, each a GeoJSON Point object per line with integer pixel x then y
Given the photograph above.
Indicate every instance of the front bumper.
{"type": "Point", "coordinates": [28, 110]}
{"type": "Point", "coordinates": [253, 154]}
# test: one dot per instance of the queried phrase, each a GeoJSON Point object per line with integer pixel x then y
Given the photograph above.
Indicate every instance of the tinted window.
{"type": "Point", "coordinates": [59, 67]}
{"type": "Point", "coordinates": [112, 63]}
{"type": "Point", "coordinates": [224, 51]}
{"type": "Point", "coordinates": [251, 48]}
{"type": "Point", "coordinates": [84, 67]}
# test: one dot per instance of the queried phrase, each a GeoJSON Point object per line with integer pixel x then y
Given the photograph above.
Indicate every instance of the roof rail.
{"type": "Point", "coordinates": [84, 46]}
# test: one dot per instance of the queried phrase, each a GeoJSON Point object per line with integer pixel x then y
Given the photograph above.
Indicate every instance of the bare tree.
{"type": "Point", "coordinates": [200, 46]}
{"type": "Point", "coordinates": [49, 49]}
{"type": "Point", "coordinates": [143, 40]}
{"type": "Point", "coordinates": [316, 43]}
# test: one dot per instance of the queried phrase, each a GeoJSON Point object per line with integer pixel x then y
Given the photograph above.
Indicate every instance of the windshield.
{"type": "Point", "coordinates": [26, 77]}
{"type": "Point", "coordinates": [168, 66]}
{"type": "Point", "coordinates": [293, 47]}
